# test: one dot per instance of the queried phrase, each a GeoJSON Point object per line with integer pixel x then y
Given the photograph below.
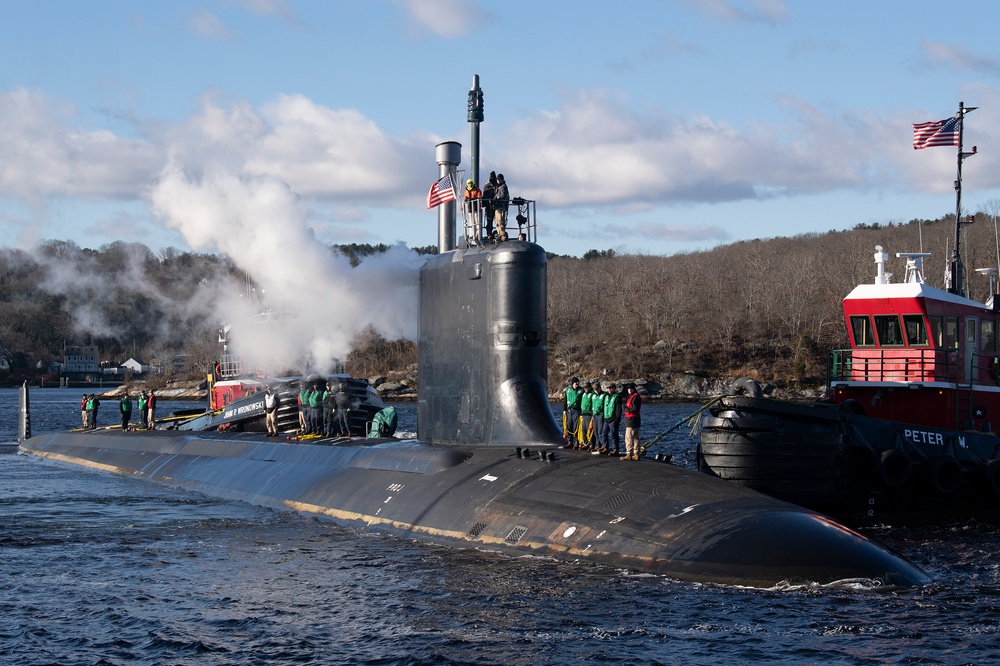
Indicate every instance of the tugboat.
{"type": "Point", "coordinates": [236, 399]}
{"type": "Point", "coordinates": [906, 432]}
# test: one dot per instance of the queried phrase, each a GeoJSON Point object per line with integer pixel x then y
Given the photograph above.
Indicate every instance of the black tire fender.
{"type": "Point", "coordinates": [746, 386]}
{"type": "Point", "coordinates": [853, 407]}
{"type": "Point", "coordinates": [991, 473]}
{"type": "Point", "coordinates": [944, 475]}
{"type": "Point", "coordinates": [894, 468]}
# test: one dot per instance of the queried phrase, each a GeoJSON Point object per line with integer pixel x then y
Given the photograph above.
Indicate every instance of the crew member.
{"type": "Point", "coordinates": [616, 421]}
{"type": "Point", "coordinates": [316, 410]}
{"type": "Point", "coordinates": [572, 396]}
{"type": "Point", "coordinates": [327, 410]}
{"type": "Point", "coordinates": [587, 414]}
{"type": "Point", "coordinates": [151, 408]}
{"type": "Point", "coordinates": [303, 408]}
{"type": "Point", "coordinates": [489, 193]}
{"type": "Point", "coordinates": [143, 403]}
{"type": "Point", "coordinates": [342, 405]}
{"type": "Point", "coordinates": [597, 410]}
{"type": "Point", "coordinates": [501, 200]}
{"type": "Point", "coordinates": [633, 403]}
{"type": "Point", "coordinates": [612, 418]}
{"type": "Point", "coordinates": [125, 406]}
{"type": "Point", "coordinates": [271, 402]}
{"type": "Point", "coordinates": [473, 204]}
{"type": "Point", "coordinates": [91, 420]}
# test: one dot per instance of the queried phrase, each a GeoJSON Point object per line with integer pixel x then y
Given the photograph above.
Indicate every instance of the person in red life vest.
{"type": "Point", "coordinates": [151, 409]}
{"type": "Point", "coordinates": [633, 403]}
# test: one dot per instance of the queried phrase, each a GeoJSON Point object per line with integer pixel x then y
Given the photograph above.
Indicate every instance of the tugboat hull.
{"type": "Point", "coordinates": [860, 470]}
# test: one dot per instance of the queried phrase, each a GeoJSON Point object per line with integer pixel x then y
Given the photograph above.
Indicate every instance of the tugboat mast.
{"type": "Point", "coordinates": [957, 285]}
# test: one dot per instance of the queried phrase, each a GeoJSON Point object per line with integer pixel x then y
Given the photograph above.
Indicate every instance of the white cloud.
{"type": "Point", "coordinates": [45, 153]}
{"type": "Point", "coordinates": [445, 18]}
{"type": "Point", "coordinates": [206, 24]}
{"type": "Point", "coordinates": [597, 150]}
{"type": "Point", "coordinates": [958, 57]}
{"type": "Point", "coordinates": [268, 7]}
{"type": "Point", "coordinates": [749, 11]}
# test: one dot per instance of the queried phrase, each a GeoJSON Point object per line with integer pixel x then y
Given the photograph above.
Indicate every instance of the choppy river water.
{"type": "Point", "coordinates": [103, 569]}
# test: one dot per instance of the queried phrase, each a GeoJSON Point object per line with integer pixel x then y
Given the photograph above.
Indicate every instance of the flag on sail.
{"type": "Point", "coordinates": [441, 191]}
{"type": "Point", "coordinates": [937, 133]}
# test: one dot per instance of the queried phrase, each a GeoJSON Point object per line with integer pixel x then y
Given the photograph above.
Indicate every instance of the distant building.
{"type": "Point", "coordinates": [80, 359]}
{"type": "Point", "coordinates": [137, 367]}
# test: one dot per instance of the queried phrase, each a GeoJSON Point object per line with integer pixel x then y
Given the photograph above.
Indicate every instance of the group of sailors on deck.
{"type": "Point", "coordinates": [490, 203]}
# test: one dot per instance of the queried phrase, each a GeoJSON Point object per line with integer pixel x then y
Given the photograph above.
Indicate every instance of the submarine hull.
{"type": "Point", "coordinates": [645, 516]}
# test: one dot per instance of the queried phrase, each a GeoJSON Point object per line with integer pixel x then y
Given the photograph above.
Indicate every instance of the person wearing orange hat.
{"type": "Point", "coordinates": [473, 204]}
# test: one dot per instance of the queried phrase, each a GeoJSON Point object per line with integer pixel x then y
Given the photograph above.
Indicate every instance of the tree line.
{"type": "Point", "coordinates": [768, 308]}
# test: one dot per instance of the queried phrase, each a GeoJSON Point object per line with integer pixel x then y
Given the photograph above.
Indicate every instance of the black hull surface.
{"type": "Point", "coordinates": [859, 470]}
{"type": "Point", "coordinates": [645, 515]}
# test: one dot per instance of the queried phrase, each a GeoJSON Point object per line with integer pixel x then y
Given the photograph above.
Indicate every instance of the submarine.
{"type": "Point", "coordinates": [487, 469]}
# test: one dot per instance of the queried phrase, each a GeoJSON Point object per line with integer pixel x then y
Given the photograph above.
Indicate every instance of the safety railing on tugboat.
{"type": "Point", "coordinates": [910, 366]}
{"type": "Point", "coordinates": [481, 226]}
{"type": "Point", "coordinates": [229, 366]}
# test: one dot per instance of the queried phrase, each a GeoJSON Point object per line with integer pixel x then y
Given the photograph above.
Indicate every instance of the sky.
{"type": "Point", "coordinates": [642, 126]}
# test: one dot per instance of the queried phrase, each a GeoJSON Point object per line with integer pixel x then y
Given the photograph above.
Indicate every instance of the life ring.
{"type": "Point", "coordinates": [854, 407]}
{"type": "Point", "coordinates": [991, 474]}
{"type": "Point", "coordinates": [746, 386]}
{"type": "Point", "coordinates": [894, 468]}
{"type": "Point", "coordinates": [944, 475]}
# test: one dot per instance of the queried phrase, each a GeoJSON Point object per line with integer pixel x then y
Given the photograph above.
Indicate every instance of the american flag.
{"type": "Point", "coordinates": [441, 191]}
{"type": "Point", "coordinates": [937, 133]}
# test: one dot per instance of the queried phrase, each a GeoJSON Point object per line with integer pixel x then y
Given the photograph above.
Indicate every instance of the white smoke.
{"type": "Point", "coordinates": [260, 223]}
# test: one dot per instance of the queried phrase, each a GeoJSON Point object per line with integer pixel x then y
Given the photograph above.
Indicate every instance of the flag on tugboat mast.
{"type": "Point", "coordinates": [441, 191]}
{"type": "Point", "coordinates": [937, 133]}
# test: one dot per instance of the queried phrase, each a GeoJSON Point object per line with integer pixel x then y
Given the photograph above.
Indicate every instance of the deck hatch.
{"type": "Point", "coordinates": [616, 501]}
{"type": "Point", "coordinates": [516, 534]}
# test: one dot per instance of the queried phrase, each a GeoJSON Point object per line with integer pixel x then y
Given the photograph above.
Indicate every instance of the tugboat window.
{"type": "Point", "coordinates": [937, 330]}
{"type": "Point", "coordinates": [951, 333]}
{"type": "Point", "coordinates": [889, 332]}
{"type": "Point", "coordinates": [988, 340]}
{"type": "Point", "coordinates": [916, 332]}
{"type": "Point", "coordinates": [861, 327]}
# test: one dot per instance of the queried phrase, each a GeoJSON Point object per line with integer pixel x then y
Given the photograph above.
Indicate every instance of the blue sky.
{"type": "Point", "coordinates": [643, 126]}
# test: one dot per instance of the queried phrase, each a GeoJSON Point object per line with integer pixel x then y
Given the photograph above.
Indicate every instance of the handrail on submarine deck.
{"type": "Point", "coordinates": [474, 222]}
